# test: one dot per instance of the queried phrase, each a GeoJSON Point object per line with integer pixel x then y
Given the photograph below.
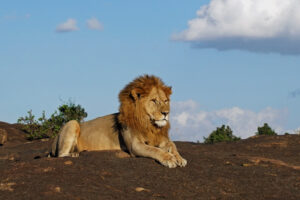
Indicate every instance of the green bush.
{"type": "Point", "coordinates": [220, 135]}
{"type": "Point", "coordinates": [265, 130]}
{"type": "Point", "coordinates": [45, 128]}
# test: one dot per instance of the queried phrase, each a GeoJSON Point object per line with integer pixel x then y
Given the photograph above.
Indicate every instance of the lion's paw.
{"type": "Point", "coordinates": [74, 154]}
{"type": "Point", "coordinates": [169, 161]}
{"type": "Point", "coordinates": [181, 162]}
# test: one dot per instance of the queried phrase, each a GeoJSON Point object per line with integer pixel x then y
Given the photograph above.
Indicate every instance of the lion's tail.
{"type": "Point", "coordinates": [54, 149]}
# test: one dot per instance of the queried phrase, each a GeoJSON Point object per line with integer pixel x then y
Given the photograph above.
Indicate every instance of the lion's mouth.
{"type": "Point", "coordinates": [161, 123]}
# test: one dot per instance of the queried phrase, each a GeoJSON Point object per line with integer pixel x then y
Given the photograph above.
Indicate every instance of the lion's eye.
{"type": "Point", "coordinates": [166, 101]}
{"type": "Point", "coordinates": [154, 101]}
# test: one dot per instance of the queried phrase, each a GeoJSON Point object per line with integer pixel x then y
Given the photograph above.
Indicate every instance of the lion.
{"type": "Point", "coordinates": [140, 127]}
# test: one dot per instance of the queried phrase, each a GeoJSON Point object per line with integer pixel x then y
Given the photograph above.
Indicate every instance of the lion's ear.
{"type": "Point", "coordinates": [168, 90]}
{"type": "Point", "coordinates": [135, 94]}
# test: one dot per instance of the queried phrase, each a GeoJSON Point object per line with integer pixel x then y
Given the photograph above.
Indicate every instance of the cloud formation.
{"type": "Point", "coordinates": [14, 16]}
{"type": "Point", "coordinates": [94, 24]}
{"type": "Point", "coordinates": [253, 25]}
{"type": "Point", "coordinates": [68, 26]}
{"type": "Point", "coordinates": [191, 124]}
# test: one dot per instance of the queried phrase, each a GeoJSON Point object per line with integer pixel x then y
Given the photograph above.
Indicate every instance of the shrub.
{"type": "Point", "coordinates": [70, 111]}
{"type": "Point", "coordinates": [33, 128]}
{"type": "Point", "coordinates": [221, 134]}
{"type": "Point", "coordinates": [45, 128]}
{"type": "Point", "coordinates": [265, 130]}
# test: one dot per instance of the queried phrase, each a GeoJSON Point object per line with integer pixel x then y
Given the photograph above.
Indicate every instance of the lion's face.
{"type": "Point", "coordinates": [157, 107]}
{"type": "Point", "coordinates": [145, 105]}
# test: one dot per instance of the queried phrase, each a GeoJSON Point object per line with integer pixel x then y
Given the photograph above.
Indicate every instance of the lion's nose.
{"type": "Point", "coordinates": [165, 113]}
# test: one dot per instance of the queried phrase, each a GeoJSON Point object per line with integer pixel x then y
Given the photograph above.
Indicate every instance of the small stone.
{"type": "Point", "coordinates": [140, 189]}
{"type": "Point", "coordinates": [68, 162]}
{"type": "Point", "coordinates": [7, 186]}
{"type": "Point", "coordinates": [11, 158]}
{"type": "Point", "coordinates": [48, 169]}
{"type": "Point", "coordinates": [57, 189]}
{"type": "Point", "coordinates": [246, 165]}
{"type": "Point", "coordinates": [228, 163]}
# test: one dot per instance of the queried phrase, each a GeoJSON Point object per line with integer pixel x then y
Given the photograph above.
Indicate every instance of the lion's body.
{"type": "Point", "coordinates": [90, 131]}
{"type": "Point", "coordinates": [141, 127]}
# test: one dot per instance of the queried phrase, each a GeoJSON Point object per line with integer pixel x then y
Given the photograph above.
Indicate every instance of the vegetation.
{"type": "Point", "coordinates": [220, 135]}
{"type": "Point", "coordinates": [45, 128]}
{"type": "Point", "coordinates": [265, 130]}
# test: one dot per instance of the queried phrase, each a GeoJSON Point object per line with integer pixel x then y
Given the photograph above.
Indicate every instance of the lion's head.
{"type": "Point", "coordinates": [145, 104]}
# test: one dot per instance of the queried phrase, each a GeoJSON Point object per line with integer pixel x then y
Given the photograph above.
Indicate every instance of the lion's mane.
{"type": "Point", "coordinates": [132, 114]}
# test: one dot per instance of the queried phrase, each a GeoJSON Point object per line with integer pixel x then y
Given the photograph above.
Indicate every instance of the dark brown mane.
{"type": "Point", "coordinates": [132, 115]}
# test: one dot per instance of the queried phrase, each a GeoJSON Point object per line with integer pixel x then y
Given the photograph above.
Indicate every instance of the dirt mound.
{"type": "Point", "coordinates": [16, 136]}
{"type": "Point", "coordinates": [256, 168]}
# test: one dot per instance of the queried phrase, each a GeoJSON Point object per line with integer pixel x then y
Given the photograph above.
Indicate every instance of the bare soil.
{"type": "Point", "coordinates": [265, 167]}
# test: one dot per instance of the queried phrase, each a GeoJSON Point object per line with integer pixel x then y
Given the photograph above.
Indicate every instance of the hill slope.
{"type": "Point", "coordinates": [255, 168]}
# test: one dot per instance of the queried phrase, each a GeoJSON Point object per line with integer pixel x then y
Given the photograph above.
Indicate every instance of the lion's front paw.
{"type": "Point", "coordinates": [169, 160]}
{"type": "Point", "coordinates": [181, 162]}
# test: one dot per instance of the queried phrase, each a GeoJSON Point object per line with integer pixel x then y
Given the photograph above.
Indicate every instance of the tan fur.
{"type": "Point", "coordinates": [141, 126]}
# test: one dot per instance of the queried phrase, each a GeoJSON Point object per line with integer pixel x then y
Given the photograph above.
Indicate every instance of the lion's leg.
{"type": "Point", "coordinates": [67, 139]}
{"type": "Point", "coordinates": [141, 149]}
{"type": "Point", "coordinates": [169, 146]}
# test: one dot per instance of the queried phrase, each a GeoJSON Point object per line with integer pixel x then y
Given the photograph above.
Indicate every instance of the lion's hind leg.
{"type": "Point", "coordinates": [67, 139]}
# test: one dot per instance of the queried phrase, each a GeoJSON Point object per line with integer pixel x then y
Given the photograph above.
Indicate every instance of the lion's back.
{"type": "Point", "coordinates": [99, 134]}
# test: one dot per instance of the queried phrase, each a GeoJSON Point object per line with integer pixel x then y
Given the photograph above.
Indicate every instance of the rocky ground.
{"type": "Point", "coordinates": [266, 167]}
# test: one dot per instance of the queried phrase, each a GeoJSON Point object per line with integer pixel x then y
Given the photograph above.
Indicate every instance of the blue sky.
{"type": "Point", "coordinates": [220, 70]}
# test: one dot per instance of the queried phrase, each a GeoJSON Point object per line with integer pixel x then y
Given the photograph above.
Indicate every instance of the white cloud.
{"type": "Point", "coordinates": [189, 104]}
{"type": "Point", "coordinates": [254, 25]}
{"type": "Point", "coordinates": [191, 124]}
{"type": "Point", "coordinates": [181, 118]}
{"type": "Point", "coordinates": [94, 24]}
{"type": "Point", "coordinates": [297, 131]}
{"type": "Point", "coordinates": [14, 16]}
{"type": "Point", "coordinates": [68, 26]}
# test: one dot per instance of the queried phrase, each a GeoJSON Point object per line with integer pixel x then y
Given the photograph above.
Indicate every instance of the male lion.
{"type": "Point", "coordinates": [141, 126]}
